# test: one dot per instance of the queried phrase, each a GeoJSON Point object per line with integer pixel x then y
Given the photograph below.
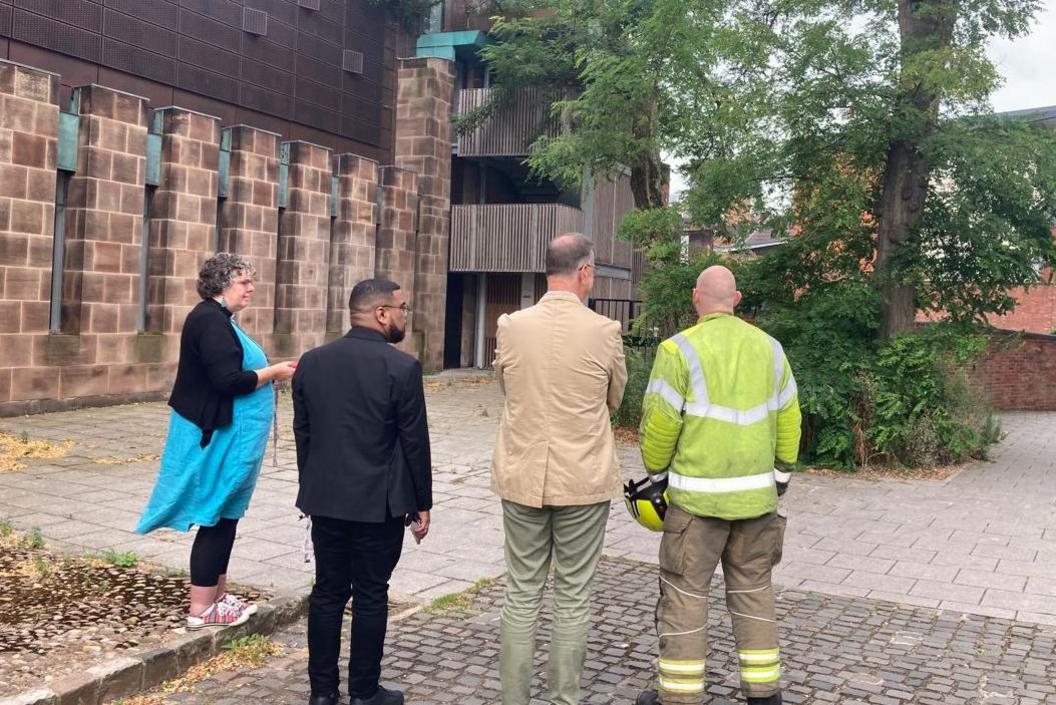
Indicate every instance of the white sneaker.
{"type": "Point", "coordinates": [218, 615]}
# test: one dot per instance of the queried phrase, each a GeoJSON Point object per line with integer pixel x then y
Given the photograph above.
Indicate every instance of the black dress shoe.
{"type": "Point", "coordinates": [769, 700]}
{"type": "Point", "coordinates": [329, 699]}
{"type": "Point", "coordinates": [383, 696]}
{"type": "Point", "coordinates": [648, 697]}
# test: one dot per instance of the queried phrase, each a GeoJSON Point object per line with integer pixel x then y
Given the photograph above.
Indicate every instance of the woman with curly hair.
{"type": "Point", "coordinates": [222, 408]}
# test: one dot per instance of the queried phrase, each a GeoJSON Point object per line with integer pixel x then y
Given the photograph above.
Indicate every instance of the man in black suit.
{"type": "Point", "coordinates": [365, 472]}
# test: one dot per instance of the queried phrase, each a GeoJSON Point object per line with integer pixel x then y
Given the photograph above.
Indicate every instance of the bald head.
{"type": "Point", "coordinates": [716, 291]}
{"type": "Point", "coordinates": [567, 253]}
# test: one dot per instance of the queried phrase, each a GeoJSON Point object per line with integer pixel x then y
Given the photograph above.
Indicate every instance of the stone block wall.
{"type": "Point", "coordinates": [353, 235]}
{"type": "Point", "coordinates": [104, 215]}
{"type": "Point", "coordinates": [302, 265]}
{"type": "Point", "coordinates": [249, 216]}
{"type": "Point", "coordinates": [29, 117]}
{"type": "Point", "coordinates": [133, 249]}
{"type": "Point", "coordinates": [395, 246]}
{"type": "Point", "coordinates": [183, 214]}
{"type": "Point", "coordinates": [423, 145]}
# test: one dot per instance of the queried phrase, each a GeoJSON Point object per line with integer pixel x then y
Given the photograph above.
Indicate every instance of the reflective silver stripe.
{"type": "Point", "coordinates": [667, 393]}
{"type": "Point", "coordinates": [730, 415]}
{"type": "Point", "coordinates": [672, 686]}
{"type": "Point", "coordinates": [779, 365]}
{"type": "Point", "coordinates": [719, 485]}
{"type": "Point", "coordinates": [782, 477]}
{"type": "Point", "coordinates": [696, 374]}
{"type": "Point", "coordinates": [760, 657]}
{"type": "Point", "coordinates": [692, 667]}
{"type": "Point", "coordinates": [786, 395]}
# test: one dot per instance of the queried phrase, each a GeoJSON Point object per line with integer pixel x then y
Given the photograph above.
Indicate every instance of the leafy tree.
{"type": "Point", "coordinates": [861, 129]}
{"type": "Point", "coordinates": [874, 140]}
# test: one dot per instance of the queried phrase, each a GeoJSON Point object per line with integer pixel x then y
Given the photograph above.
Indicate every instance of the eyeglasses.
{"type": "Point", "coordinates": [403, 307]}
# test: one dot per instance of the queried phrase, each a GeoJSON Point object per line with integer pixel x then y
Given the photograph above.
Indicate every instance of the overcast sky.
{"type": "Point", "coordinates": [1024, 63]}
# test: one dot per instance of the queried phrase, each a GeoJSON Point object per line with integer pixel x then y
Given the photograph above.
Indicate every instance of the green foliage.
{"type": "Point", "coordinates": [867, 401]}
{"type": "Point", "coordinates": [125, 559]}
{"type": "Point", "coordinates": [671, 274]}
{"type": "Point", "coordinates": [6, 529]}
{"type": "Point", "coordinates": [917, 408]}
{"type": "Point", "coordinates": [35, 539]}
{"type": "Point", "coordinates": [639, 360]}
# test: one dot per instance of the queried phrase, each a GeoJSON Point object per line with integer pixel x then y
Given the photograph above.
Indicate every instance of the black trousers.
{"type": "Point", "coordinates": [352, 559]}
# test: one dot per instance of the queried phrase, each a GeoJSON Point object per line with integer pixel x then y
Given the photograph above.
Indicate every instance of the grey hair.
{"type": "Point", "coordinates": [218, 271]}
{"type": "Point", "coordinates": [567, 253]}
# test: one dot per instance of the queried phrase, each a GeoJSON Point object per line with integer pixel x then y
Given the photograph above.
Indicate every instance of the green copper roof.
{"type": "Point", "coordinates": [452, 45]}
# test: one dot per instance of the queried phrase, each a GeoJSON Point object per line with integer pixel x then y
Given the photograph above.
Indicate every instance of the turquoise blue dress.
{"type": "Point", "coordinates": [199, 486]}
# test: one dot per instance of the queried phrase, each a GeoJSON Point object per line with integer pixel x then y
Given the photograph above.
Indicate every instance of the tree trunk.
{"type": "Point", "coordinates": [647, 183]}
{"type": "Point", "coordinates": [924, 26]}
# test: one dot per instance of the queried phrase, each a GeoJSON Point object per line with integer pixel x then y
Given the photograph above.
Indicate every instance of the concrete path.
{"type": "Point", "coordinates": [982, 542]}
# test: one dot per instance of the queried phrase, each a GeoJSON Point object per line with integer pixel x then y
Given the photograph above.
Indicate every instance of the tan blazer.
{"type": "Point", "coordinates": [562, 370]}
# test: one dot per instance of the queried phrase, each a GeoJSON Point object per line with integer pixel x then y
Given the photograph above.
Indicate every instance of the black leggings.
{"type": "Point", "coordinates": [212, 552]}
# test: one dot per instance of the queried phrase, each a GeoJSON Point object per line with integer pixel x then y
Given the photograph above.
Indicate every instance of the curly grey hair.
{"type": "Point", "coordinates": [219, 270]}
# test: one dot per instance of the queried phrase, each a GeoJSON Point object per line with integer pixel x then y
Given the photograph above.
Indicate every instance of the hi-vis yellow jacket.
{"type": "Point", "coordinates": [720, 406]}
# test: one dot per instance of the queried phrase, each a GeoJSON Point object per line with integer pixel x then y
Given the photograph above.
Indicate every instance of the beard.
{"type": "Point", "coordinates": [394, 334]}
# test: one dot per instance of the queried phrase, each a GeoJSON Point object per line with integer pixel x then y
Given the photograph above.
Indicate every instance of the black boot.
{"type": "Point", "coordinates": [648, 697]}
{"type": "Point", "coordinates": [328, 699]}
{"type": "Point", "coordinates": [383, 696]}
{"type": "Point", "coordinates": [769, 700]}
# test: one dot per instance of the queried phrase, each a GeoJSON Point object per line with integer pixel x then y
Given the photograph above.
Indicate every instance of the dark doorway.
{"type": "Point", "coordinates": [453, 321]}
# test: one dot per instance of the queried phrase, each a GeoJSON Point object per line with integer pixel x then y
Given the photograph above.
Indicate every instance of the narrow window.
{"type": "Point", "coordinates": [219, 223]}
{"type": "Point", "coordinates": [58, 251]}
{"type": "Point", "coordinates": [144, 259]}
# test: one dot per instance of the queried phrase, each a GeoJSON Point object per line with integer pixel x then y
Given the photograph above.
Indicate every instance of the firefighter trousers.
{"type": "Point", "coordinates": [690, 549]}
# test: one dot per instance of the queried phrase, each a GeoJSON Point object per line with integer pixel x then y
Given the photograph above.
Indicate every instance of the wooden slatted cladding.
{"type": "Point", "coordinates": [510, 131]}
{"type": "Point", "coordinates": [509, 237]}
{"type": "Point", "coordinates": [612, 200]}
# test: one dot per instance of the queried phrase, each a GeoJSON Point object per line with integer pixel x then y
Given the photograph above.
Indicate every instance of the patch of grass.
{"type": "Point", "coordinates": [35, 539]}
{"type": "Point", "coordinates": [458, 601]}
{"type": "Point", "coordinates": [125, 559]}
{"type": "Point", "coordinates": [15, 449]}
{"type": "Point", "coordinates": [251, 651]}
{"type": "Point", "coordinates": [5, 528]}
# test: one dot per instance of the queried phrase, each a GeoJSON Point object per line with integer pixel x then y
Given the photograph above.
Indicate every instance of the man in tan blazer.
{"type": "Point", "coordinates": [562, 370]}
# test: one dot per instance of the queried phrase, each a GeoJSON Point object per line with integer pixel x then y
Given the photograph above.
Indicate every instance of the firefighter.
{"type": "Point", "coordinates": [720, 410]}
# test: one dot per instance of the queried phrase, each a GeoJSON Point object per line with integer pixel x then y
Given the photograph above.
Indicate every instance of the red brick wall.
{"type": "Point", "coordinates": [1020, 372]}
{"type": "Point", "coordinates": [1035, 310]}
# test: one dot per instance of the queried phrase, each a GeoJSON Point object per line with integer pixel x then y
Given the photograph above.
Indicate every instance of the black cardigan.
{"type": "Point", "coordinates": [210, 374]}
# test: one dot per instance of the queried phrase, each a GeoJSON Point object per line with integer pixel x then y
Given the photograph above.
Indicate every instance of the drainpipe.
{"type": "Point", "coordinates": [478, 338]}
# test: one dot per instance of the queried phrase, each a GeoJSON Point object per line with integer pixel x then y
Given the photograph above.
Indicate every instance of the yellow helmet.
{"type": "Point", "coordinates": [647, 502]}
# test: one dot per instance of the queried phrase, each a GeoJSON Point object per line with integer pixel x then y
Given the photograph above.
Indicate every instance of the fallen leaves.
{"type": "Point", "coordinates": [14, 449]}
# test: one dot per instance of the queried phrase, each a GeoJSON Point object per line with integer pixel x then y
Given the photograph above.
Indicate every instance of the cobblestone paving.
{"type": "Point", "coordinates": [982, 542]}
{"type": "Point", "coordinates": [835, 649]}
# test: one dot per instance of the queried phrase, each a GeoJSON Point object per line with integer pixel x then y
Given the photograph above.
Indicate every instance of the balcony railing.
{"type": "Point", "coordinates": [512, 128]}
{"type": "Point", "coordinates": [507, 237]}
